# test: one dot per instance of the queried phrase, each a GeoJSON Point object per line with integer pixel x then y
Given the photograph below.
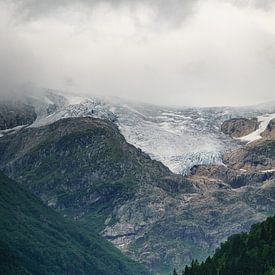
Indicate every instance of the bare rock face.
{"type": "Point", "coordinates": [238, 127]}
{"type": "Point", "coordinates": [269, 132]}
{"type": "Point", "coordinates": [257, 156]}
{"type": "Point", "coordinates": [226, 177]}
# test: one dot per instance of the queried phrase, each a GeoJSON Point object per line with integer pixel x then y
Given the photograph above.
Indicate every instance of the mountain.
{"type": "Point", "coordinates": [186, 136]}
{"type": "Point", "coordinates": [246, 253]}
{"type": "Point", "coordinates": [77, 157]}
{"type": "Point", "coordinates": [34, 239]}
{"type": "Point", "coordinates": [84, 168]}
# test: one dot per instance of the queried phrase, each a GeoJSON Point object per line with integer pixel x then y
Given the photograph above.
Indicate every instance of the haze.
{"type": "Point", "coordinates": [200, 52]}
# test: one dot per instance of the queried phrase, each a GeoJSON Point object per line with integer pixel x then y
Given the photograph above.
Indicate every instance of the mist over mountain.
{"type": "Point", "coordinates": [137, 136]}
{"type": "Point", "coordinates": [185, 136]}
{"type": "Point", "coordinates": [195, 53]}
{"type": "Point", "coordinates": [164, 184]}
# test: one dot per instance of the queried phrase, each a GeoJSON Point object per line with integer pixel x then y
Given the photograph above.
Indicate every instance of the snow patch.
{"type": "Point", "coordinates": [256, 135]}
{"type": "Point", "coordinates": [268, 171]}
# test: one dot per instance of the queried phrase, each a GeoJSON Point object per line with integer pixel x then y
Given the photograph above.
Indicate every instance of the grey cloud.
{"type": "Point", "coordinates": [170, 13]}
{"type": "Point", "coordinates": [191, 52]}
{"type": "Point", "coordinates": [261, 4]}
{"type": "Point", "coordinates": [172, 8]}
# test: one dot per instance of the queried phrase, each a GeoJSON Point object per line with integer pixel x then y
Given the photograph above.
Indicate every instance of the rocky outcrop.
{"type": "Point", "coordinates": [224, 176]}
{"type": "Point", "coordinates": [238, 127]}
{"type": "Point", "coordinates": [14, 114]}
{"type": "Point", "coordinates": [255, 156]}
{"type": "Point", "coordinates": [269, 132]}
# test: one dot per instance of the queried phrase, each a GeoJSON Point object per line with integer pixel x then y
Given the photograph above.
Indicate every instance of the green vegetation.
{"type": "Point", "coordinates": [34, 239]}
{"type": "Point", "coordinates": [81, 167]}
{"type": "Point", "coordinates": [242, 254]}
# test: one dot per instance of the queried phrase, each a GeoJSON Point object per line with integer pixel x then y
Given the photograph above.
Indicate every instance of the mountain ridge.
{"type": "Point", "coordinates": [186, 136]}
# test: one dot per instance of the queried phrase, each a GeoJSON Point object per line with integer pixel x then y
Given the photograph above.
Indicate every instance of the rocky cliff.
{"type": "Point", "coordinates": [269, 132]}
{"type": "Point", "coordinates": [255, 156]}
{"type": "Point", "coordinates": [238, 127]}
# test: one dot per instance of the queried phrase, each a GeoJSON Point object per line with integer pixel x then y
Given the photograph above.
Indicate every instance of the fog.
{"type": "Point", "coordinates": [199, 53]}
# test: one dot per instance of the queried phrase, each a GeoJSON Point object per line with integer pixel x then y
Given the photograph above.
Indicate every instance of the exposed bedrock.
{"type": "Point", "coordinates": [238, 127]}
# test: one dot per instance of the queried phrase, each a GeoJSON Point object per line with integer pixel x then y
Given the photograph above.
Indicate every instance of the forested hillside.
{"type": "Point", "coordinates": [245, 253]}
{"type": "Point", "coordinates": [34, 239]}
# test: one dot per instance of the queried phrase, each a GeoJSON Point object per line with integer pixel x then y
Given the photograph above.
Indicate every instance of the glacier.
{"type": "Point", "coordinates": [179, 137]}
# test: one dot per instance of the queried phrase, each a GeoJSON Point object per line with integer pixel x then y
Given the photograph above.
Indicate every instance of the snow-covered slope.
{"type": "Point", "coordinates": [178, 137]}
{"type": "Point", "coordinates": [54, 106]}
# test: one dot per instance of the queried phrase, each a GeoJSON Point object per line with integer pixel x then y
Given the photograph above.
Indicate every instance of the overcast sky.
{"type": "Point", "coordinates": [180, 52]}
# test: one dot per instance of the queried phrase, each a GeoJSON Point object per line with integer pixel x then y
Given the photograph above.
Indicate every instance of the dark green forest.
{"type": "Point", "coordinates": [250, 253]}
{"type": "Point", "coordinates": [34, 239]}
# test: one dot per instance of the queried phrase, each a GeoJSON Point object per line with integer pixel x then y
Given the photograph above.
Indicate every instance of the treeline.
{"type": "Point", "coordinates": [250, 253]}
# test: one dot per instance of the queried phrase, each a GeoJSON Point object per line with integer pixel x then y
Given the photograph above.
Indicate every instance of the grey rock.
{"type": "Point", "coordinates": [238, 127]}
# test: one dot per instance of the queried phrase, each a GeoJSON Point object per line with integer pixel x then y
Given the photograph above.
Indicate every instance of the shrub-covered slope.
{"type": "Point", "coordinates": [242, 254]}
{"type": "Point", "coordinates": [36, 240]}
{"type": "Point", "coordinates": [84, 168]}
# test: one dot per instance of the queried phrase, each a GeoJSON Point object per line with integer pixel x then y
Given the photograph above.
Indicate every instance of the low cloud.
{"type": "Point", "coordinates": [185, 53]}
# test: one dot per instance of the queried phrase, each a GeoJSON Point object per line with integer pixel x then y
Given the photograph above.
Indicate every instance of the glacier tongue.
{"type": "Point", "coordinates": [178, 137]}
{"type": "Point", "coordinates": [183, 164]}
